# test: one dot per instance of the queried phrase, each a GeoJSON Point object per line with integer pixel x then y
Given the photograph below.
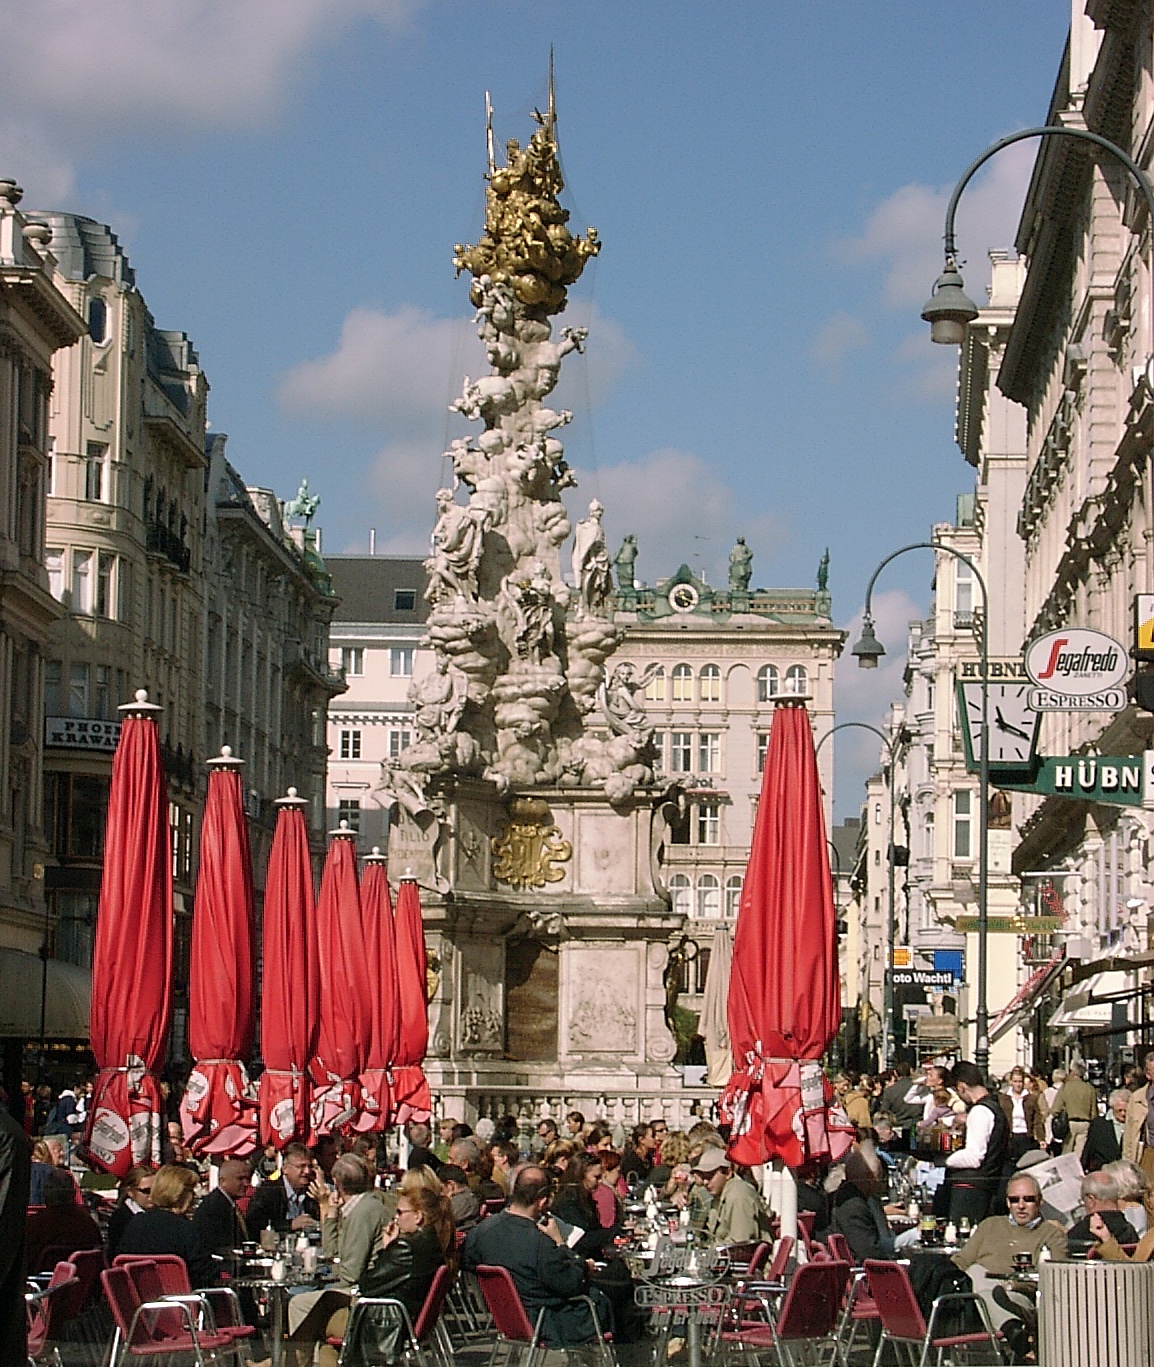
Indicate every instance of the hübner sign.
{"type": "Point", "coordinates": [1077, 669]}
{"type": "Point", "coordinates": [77, 733]}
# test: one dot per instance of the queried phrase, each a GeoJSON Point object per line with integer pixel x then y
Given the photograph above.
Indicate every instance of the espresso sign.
{"type": "Point", "coordinates": [1077, 662]}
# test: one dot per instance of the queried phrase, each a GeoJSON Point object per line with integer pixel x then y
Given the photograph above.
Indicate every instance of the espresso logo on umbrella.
{"type": "Point", "coordinates": [109, 1135]}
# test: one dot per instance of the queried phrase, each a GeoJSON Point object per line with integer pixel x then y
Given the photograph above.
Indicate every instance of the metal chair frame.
{"type": "Point", "coordinates": [532, 1345]}
{"type": "Point", "coordinates": [918, 1349]}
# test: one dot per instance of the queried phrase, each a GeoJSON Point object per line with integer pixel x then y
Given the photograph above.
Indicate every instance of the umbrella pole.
{"type": "Point", "coordinates": [782, 1196]}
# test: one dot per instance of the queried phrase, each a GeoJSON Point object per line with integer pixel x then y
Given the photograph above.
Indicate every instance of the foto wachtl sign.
{"type": "Point", "coordinates": [1077, 669]}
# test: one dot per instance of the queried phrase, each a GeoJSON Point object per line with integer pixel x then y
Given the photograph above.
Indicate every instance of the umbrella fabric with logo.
{"type": "Point", "coordinates": [381, 959]}
{"type": "Point", "coordinates": [218, 1112]}
{"type": "Point", "coordinates": [132, 955]}
{"type": "Point", "coordinates": [784, 993]}
{"type": "Point", "coordinates": [290, 981]}
{"type": "Point", "coordinates": [410, 1088]}
{"type": "Point", "coordinates": [346, 1005]}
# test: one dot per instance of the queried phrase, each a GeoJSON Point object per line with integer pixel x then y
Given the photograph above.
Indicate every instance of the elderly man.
{"type": "Point", "coordinates": [289, 1204]}
{"type": "Point", "coordinates": [1080, 1102]}
{"type": "Point", "coordinates": [548, 1275]}
{"type": "Point", "coordinates": [1100, 1193]}
{"type": "Point", "coordinates": [217, 1220]}
{"type": "Point", "coordinates": [988, 1254]}
{"type": "Point", "coordinates": [737, 1214]}
{"type": "Point", "coordinates": [1104, 1137]}
{"type": "Point", "coordinates": [1138, 1139]}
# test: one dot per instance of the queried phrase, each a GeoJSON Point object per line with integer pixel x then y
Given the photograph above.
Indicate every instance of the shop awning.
{"type": "Point", "coordinates": [1026, 998]}
{"type": "Point", "coordinates": [1093, 1001]}
{"type": "Point", "coordinates": [67, 995]}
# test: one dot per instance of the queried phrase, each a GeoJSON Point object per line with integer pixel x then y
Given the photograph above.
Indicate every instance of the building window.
{"type": "Point", "coordinates": [963, 801]}
{"type": "Point", "coordinates": [350, 745]}
{"type": "Point", "coordinates": [709, 682]}
{"type": "Point", "coordinates": [679, 828]}
{"type": "Point", "coordinates": [98, 321]}
{"type": "Point", "coordinates": [105, 564]}
{"type": "Point", "coordinates": [54, 560]}
{"type": "Point", "coordinates": [655, 688]}
{"type": "Point", "coordinates": [796, 679]}
{"type": "Point", "coordinates": [681, 752]}
{"type": "Point", "coordinates": [877, 813]}
{"type": "Point", "coordinates": [709, 752]}
{"type": "Point", "coordinates": [401, 661]}
{"type": "Point", "coordinates": [733, 896]}
{"type": "Point", "coordinates": [53, 680]}
{"type": "Point", "coordinates": [928, 836]}
{"type": "Point", "coordinates": [708, 897]}
{"type": "Point", "coordinates": [963, 594]}
{"type": "Point", "coordinates": [78, 691]}
{"type": "Point", "coordinates": [398, 741]}
{"type": "Point", "coordinates": [708, 823]}
{"type": "Point", "coordinates": [82, 586]}
{"type": "Point", "coordinates": [682, 683]}
{"type": "Point", "coordinates": [762, 750]}
{"type": "Point", "coordinates": [349, 809]}
{"type": "Point", "coordinates": [679, 890]}
{"type": "Point", "coordinates": [50, 488]}
{"type": "Point", "coordinates": [404, 600]}
{"type": "Point", "coordinates": [353, 660]}
{"type": "Point", "coordinates": [102, 693]}
{"type": "Point", "coordinates": [766, 683]}
{"type": "Point", "coordinates": [95, 472]}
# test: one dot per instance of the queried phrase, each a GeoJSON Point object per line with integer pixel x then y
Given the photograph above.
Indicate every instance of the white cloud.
{"type": "Point", "coordinates": [866, 695]}
{"type": "Point", "coordinates": [842, 334]}
{"type": "Point", "coordinates": [680, 509]}
{"type": "Point", "coordinates": [904, 232]}
{"type": "Point", "coordinates": [923, 373]}
{"type": "Point", "coordinates": [31, 159]}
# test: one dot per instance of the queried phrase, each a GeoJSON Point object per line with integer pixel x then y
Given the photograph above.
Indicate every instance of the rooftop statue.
{"type": "Point", "coordinates": [305, 505]}
{"type": "Point", "coordinates": [626, 561]}
{"type": "Point", "coordinates": [823, 573]}
{"type": "Point", "coordinates": [740, 566]}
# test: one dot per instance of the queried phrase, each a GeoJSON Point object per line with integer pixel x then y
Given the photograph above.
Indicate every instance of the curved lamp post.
{"type": "Point", "coordinates": [891, 924]}
{"type": "Point", "coordinates": [868, 651]}
{"type": "Point", "coordinates": [949, 309]}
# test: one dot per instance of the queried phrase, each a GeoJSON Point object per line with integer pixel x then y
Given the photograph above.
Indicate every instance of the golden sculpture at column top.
{"type": "Point", "coordinates": [526, 244]}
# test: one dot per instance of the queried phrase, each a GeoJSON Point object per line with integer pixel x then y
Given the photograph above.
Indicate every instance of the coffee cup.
{"type": "Point", "coordinates": [279, 1271]}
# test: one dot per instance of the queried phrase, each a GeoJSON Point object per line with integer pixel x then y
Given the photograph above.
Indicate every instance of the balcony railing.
{"type": "Point", "coordinates": [160, 540]}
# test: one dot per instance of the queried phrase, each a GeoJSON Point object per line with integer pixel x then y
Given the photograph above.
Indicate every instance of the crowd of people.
{"type": "Point", "coordinates": [551, 1203]}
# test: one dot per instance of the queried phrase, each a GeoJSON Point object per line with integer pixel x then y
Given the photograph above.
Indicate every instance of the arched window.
{"type": "Point", "coordinates": [98, 321]}
{"type": "Point", "coordinates": [732, 895]}
{"type": "Point", "coordinates": [766, 682]}
{"type": "Point", "coordinates": [682, 683]}
{"type": "Point", "coordinates": [709, 681]}
{"type": "Point", "coordinates": [708, 897]}
{"type": "Point", "coordinates": [679, 890]}
{"type": "Point", "coordinates": [655, 688]}
{"type": "Point", "coordinates": [796, 679]}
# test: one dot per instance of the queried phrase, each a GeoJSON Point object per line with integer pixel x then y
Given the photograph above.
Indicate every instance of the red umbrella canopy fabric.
{"type": "Point", "coordinates": [410, 1088]}
{"type": "Point", "coordinates": [290, 981]}
{"type": "Point", "coordinates": [132, 956]}
{"type": "Point", "coordinates": [346, 1003]}
{"type": "Point", "coordinates": [381, 959]}
{"type": "Point", "coordinates": [218, 1111]}
{"type": "Point", "coordinates": [784, 992]}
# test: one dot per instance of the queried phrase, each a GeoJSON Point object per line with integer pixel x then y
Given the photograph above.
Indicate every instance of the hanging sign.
{"type": "Point", "coordinates": [1077, 669]}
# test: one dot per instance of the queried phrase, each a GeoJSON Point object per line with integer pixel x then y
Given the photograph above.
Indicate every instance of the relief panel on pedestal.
{"type": "Point", "coordinates": [481, 1007]}
{"type": "Point", "coordinates": [600, 1000]}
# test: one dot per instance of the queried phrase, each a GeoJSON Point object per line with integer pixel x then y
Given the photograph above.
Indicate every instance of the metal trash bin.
{"type": "Point", "coordinates": [1095, 1314]}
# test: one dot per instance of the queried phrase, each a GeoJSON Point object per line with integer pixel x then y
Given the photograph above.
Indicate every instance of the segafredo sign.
{"type": "Point", "coordinates": [1078, 663]}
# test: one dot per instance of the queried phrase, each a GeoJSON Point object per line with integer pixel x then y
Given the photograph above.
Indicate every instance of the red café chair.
{"type": "Point", "coordinates": [426, 1339]}
{"type": "Point", "coordinates": [838, 1245]}
{"type": "Point", "coordinates": [775, 1272]}
{"type": "Point", "coordinates": [143, 1328]}
{"type": "Point", "coordinates": [514, 1329]}
{"type": "Point", "coordinates": [60, 1302]}
{"type": "Point", "coordinates": [807, 1322]}
{"type": "Point", "coordinates": [903, 1322]}
{"type": "Point", "coordinates": [164, 1276]}
{"type": "Point", "coordinates": [493, 1207]}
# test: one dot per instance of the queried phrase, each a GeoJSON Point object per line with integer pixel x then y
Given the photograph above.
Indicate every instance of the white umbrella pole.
{"type": "Point", "coordinates": [787, 1196]}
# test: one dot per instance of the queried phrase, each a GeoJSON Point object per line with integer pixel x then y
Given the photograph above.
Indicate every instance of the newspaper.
{"type": "Point", "coordinates": [1061, 1182]}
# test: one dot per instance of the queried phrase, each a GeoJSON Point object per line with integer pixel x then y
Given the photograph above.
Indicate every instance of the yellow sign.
{"type": "Point", "coordinates": [1144, 626]}
{"type": "Point", "coordinates": [903, 956]}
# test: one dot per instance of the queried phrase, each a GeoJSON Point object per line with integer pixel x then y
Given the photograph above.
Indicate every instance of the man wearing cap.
{"type": "Point", "coordinates": [738, 1214]}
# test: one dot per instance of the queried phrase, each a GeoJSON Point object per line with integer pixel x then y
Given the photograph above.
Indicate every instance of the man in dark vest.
{"type": "Point", "coordinates": [974, 1172]}
{"type": "Point", "coordinates": [15, 1172]}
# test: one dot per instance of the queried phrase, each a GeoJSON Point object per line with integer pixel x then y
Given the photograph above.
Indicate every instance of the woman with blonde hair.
{"type": "Point", "coordinates": [1133, 1185]}
{"type": "Point", "coordinates": [166, 1227]}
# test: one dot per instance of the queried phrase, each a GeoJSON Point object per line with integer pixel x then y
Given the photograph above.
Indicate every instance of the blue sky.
{"type": "Point", "coordinates": [289, 178]}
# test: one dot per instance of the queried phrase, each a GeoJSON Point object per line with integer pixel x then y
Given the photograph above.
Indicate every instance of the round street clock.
{"type": "Point", "coordinates": [684, 598]}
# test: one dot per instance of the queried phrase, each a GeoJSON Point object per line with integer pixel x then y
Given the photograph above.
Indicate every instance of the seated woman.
{"type": "Point", "coordinates": [166, 1227]}
{"type": "Point", "coordinates": [1109, 1247]}
{"type": "Point", "coordinates": [412, 1247]}
{"type": "Point", "coordinates": [135, 1197]}
{"type": "Point", "coordinates": [573, 1202]}
{"type": "Point", "coordinates": [857, 1206]}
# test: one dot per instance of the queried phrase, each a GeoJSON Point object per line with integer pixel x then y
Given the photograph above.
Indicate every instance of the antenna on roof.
{"type": "Point", "coordinates": [552, 124]}
{"type": "Point", "coordinates": [489, 132]}
{"type": "Point", "coordinates": [372, 541]}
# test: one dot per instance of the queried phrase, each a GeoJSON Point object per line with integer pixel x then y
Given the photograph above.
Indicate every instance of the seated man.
{"type": "Point", "coordinates": [217, 1220]}
{"type": "Point", "coordinates": [737, 1215]}
{"type": "Point", "coordinates": [1100, 1194]}
{"type": "Point", "coordinates": [288, 1202]}
{"type": "Point", "coordinates": [61, 1224]}
{"type": "Point", "coordinates": [988, 1254]}
{"type": "Point", "coordinates": [547, 1274]}
{"type": "Point", "coordinates": [463, 1202]}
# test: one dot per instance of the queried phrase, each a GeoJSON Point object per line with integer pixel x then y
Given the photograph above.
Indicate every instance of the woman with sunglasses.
{"type": "Point", "coordinates": [135, 1198]}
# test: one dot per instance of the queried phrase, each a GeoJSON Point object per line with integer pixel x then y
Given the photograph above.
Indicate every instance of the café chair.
{"type": "Point", "coordinates": [48, 1310]}
{"type": "Point", "coordinates": [805, 1326]}
{"type": "Point", "coordinates": [425, 1338]}
{"type": "Point", "coordinates": [164, 1276]}
{"type": "Point", "coordinates": [515, 1331]}
{"type": "Point", "coordinates": [903, 1322]}
{"type": "Point", "coordinates": [158, 1330]}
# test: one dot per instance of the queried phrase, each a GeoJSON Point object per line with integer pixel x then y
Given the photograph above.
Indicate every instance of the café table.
{"type": "Point", "coordinates": [683, 1280]}
{"type": "Point", "coordinates": [255, 1274]}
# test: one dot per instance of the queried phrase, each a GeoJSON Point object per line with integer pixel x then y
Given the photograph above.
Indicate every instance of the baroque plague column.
{"type": "Point", "coordinates": [526, 806]}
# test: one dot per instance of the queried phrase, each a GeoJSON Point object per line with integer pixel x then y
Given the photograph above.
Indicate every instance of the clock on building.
{"type": "Point", "coordinates": [683, 598]}
{"type": "Point", "coordinates": [1012, 722]}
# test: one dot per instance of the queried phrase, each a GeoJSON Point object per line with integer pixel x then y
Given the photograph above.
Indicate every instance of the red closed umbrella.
{"type": "Point", "coordinates": [132, 956]}
{"type": "Point", "coordinates": [381, 958]}
{"type": "Point", "coordinates": [784, 992]}
{"type": "Point", "coordinates": [290, 981]}
{"type": "Point", "coordinates": [218, 1111]}
{"type": "Point", "coordinates": [411, 1097]}
{"type": "Point", "coordinates": [346, 1003]}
